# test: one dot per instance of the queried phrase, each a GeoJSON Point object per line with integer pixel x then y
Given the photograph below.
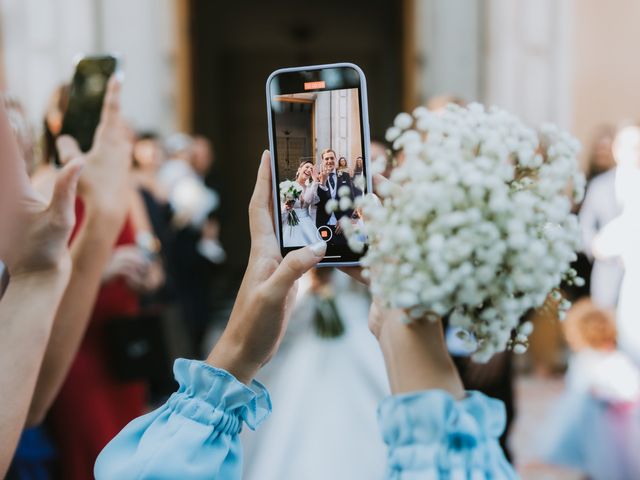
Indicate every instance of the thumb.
{"type": "Point", "coordinates": [68, 148]}
{"type": "Point", "coordinates": [64, 193]}
{"type": "Point", "coordinates": [294, 265]}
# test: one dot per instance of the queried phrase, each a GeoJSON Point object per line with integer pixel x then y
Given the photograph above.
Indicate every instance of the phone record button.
{"type": "Point", "coordinates": [325, 233]}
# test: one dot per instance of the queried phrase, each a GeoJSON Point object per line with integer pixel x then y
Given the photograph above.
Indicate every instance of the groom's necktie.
{"type": "Point", "coordinates": [332, 180]}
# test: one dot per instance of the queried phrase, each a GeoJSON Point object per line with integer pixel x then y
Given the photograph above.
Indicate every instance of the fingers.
{"type": "Point", "coordinates": [260, 207]}
{"type": "Point", "coordinates": [13, 171]}
{"type": "Point", "coordinates": [62, 206]}
{"type": "Point", "coordinates": [111, 104]}
{"type": "Point", "coordinates": [111, 128]}
{"type": "Point", "coordinates": [294, 265]}
{"type": "Point", "coordinates": [68, 148]}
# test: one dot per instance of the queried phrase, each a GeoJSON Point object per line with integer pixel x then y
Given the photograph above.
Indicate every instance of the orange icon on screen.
{"type": "Point", "coordinates": [314, 85]}
{"type": "Point", "coordinates": [325, 233]}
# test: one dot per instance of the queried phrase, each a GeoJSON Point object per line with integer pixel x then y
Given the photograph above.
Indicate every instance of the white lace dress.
{"type": "Point", "coordinates": [305, 232]}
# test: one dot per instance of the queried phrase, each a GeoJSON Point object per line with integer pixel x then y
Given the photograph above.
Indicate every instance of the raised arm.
{"type": "Point", "coordinates": [195, 434]}
{"type": "Point", "coordinates": [433, 429]}
{"type": "Point", "coordinates": [33, 245]}
{"type": "Point", "coordinates": [104, 188]}
{"type": "Point", "coordinates": [310, 196]}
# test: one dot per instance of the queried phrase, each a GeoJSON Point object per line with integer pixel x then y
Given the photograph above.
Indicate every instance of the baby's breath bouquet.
{"type": "Point", "coordinates": [475, 222]}
{"type": "Point", "coordinates": [289, 193]}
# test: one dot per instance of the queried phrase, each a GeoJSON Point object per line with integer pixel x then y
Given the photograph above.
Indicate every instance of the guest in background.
{"type": "Point", "coordinates": [601, 157]}
{"type": "Point", "coordinates": [329, 349]}
{"type": "Point", "coordinates": [148, 158]}
{"type": "Point", "coordinates": [357, 176]}
{"type": "Point", "coordinates": [195, 248]}
{"type": "Point", "coordinates": [602, 203]}
{"type": "Point", "coordinates": [75, 371]}
{"type": "Point", "coordinates": [343, 166]}
{"type": "Point", "coordinates": [600, 162]}
{"type": "Point", "coordinates": [619, 239]}
{"type": "Point", "coordinates": [595, 426]}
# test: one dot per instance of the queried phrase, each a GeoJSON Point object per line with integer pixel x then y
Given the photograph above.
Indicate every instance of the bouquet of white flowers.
{"type": "Point", "coordinates": [289, 192]}
{"type": "Point", "coordinates": [475, 223]}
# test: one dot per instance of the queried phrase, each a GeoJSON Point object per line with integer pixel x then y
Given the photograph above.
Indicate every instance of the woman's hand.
{"type": "Point", "coordinates": [34, 234]}
{"type": "Point", "coordinates": [261, 311]}
{"type": "Point", "coordinates": [415, 354]}
{"type": "Point", "coordinates": [104, 183]}
{"type": "Point", "coordinates": [130, 263]}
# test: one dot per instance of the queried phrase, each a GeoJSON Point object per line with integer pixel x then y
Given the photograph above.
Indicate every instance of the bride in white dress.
{"type": "Point", "coordinates": [325, 383]}
{"type": "Point", "coordinates": [621, 238]}
{"type": "Point", "coordinates": [305, 232]}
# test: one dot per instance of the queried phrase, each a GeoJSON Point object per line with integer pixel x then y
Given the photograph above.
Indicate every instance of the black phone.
{"type": "Point", "coordinates": [86, 96]}
{"type": "Point", "coordinates": [319, 142]}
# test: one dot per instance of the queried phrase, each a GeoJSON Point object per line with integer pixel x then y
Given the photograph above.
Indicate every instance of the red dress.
{"type": "Point", "coordinates": [93, 406]}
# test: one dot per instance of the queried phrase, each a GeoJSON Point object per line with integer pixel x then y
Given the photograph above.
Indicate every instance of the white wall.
{"type": "Point", "coordinates": [41, 37]}
{"type": "Point", "coordinates": [448, 46]}
{"type": "Point", "coordinates": [527, 59]}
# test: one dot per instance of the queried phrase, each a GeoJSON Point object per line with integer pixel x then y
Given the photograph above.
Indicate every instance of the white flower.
{"type": "Point", "coordinates": [345, 203]}
{"type": "Point", "coordinates": [519, 348]}
{"type": "Point", "coordinates": [475, 221]}
{"type": "Point", "coordinates": [392, 133]}
{"type": "Point", "coordinates": [344, 190]}
{"type": "Point", "coordinates": [331, 206]}
{"type": "Point", "coordinates": [403, 121]}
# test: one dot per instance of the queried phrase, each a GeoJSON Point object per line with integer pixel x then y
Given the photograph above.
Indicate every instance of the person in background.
{"type": "Point", "coordinates": [148, 157]}
{"type": "Point", "coordinates": [195, 247]}
{"type": "Point", "coordinates": [619, 239]}
{"type": "Point", "coordinates": [202, 158]}
{"type": "Point", "coordinates": [357, 176]}
{"type": "Point", "coordinates": [600, 161]}
{"type": "Point", "coordinates": [602, 203]}
{"type": "Point", "coordinates": [329, 348]}
{"type": "Point", "coordinates": [343, 166]}
{"type": "Point", "coordinates": [595, 426]}
{"type": "Point", "coordinates": [601, 157]}
{"type": "Point", "coordinates": [76, 372]}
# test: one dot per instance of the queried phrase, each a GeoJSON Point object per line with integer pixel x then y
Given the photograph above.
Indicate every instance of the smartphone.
{"type": "Point", "coordinates": [319, 142]}
{"type": "Point", "coordinates": [86, 95]}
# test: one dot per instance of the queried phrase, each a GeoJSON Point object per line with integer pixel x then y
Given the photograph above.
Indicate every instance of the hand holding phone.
{"type": "Point", "coordinates": [86, 96]}
{"type": "Point", "coordinates": [318, 115]}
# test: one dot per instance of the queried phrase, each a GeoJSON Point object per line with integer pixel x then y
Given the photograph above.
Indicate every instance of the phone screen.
{"type": "Point", "coordinates": [86, 95]}
{"type": "Point", "coordinates": [319, 137]}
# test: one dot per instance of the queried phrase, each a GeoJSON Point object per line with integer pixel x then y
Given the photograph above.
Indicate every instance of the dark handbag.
{"type": "Point", "coordinates": [137, 348]}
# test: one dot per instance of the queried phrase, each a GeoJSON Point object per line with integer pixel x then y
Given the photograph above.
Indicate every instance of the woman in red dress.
{"type": "Point", "coordinates": [93, 406]}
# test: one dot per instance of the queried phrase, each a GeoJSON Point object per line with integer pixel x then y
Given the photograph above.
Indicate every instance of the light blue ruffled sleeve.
{"type": "Point", "coordinates": [430, 435]}
{"type": "Point", "coordinates": [192, 436]}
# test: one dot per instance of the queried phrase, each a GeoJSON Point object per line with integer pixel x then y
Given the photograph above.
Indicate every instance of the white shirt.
{"type": "Point", "coordinates": [332, 189]}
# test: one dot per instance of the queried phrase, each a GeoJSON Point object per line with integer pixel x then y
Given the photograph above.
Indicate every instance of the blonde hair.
{"type": "Point", "coordinates": [588, 326]}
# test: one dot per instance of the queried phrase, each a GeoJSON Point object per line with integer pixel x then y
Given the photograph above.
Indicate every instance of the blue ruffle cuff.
{"type": "Point", "coordinates": [431, 431]}
{"type": "Point", "coordinates": [212, 396]}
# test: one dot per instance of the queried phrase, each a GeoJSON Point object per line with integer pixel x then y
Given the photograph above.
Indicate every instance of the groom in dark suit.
{"type": "Point", "coordinates": [330, 183]}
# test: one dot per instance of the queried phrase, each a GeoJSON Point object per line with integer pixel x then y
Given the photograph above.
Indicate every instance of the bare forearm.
{"type": "Point", "coordinates": [416, 358]}
{"type": "Point", "coordinates": [90, 252]}
{"type": "Point", "coordinates": [26, 316]}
